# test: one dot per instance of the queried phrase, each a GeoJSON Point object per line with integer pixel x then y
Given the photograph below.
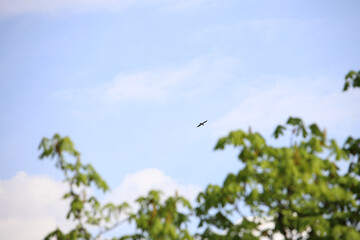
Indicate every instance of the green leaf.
{"type": "Point", "coordinates": [350, 75]}
{"type": "Point", "coordinates": [316, 131]}
{"type": "Point", "coordinates": [279, 131]}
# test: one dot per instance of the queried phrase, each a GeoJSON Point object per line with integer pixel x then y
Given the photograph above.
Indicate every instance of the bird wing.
{"type": "Point", "coordinates": [202, 124]}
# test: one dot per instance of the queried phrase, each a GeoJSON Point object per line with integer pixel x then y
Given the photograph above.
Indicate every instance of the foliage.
{"type": "Point", "coordinates": [84, 209]}
{"type": "Point", "coordinates": [300, 191]}
{"type": "Point", "coordinates": [160, 221]}
{"type": "Point", "coordinates": [154, 220]}
{"type": "Point", "coordinates": [352, 79]}
{"type": "Point", "coordinates": [298, 188]}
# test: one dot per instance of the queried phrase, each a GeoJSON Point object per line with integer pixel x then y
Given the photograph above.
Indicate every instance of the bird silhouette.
{"type": "Point", "coordinates": [202, 124]}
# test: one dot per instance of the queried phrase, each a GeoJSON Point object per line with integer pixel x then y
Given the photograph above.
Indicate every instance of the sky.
{"type": "Point", "coordinates": [129, 81]}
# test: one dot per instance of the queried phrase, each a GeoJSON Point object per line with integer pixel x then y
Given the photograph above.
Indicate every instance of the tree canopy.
{"type": "Point", "coordinates": [309, 189]}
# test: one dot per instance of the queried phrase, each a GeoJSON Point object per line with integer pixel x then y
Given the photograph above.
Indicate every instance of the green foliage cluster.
{"type": "Point", "coordinates": [352, 79]}
{"type": "Point", "coordinates": [84, 210]}
{"type": "Point", "coordinates": [156, 220]}
{"type": "Point", "coordinates": [296, 191]}
{"type": "Point", "coordinates": [298, 188]}
{"type": "Point", "coordinates": [153, 220]}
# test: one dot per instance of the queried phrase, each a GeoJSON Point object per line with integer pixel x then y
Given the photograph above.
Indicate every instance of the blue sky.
{"type": "Point", "coordinates": [129, 81]}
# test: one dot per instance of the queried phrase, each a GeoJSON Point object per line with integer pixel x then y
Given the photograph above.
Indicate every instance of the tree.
{"type": "Point", "coordinates": [298, 188]}
{"type": "Point", "coordinates": [297, 191]}
{"type": "Point", "coordinates": [153, 220]}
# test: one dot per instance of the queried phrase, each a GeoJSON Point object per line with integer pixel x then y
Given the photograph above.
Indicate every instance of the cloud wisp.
{"type": "Point", "coordinates": [312, 100]}
{"type": "Point", "coordinates": [19, 7]}
{"type": "Point", "coordinates": [199, 76]}
{"type": "Point", "coordinates": [268, 30]}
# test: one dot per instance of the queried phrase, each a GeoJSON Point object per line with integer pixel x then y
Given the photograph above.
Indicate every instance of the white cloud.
{"type": "Point", "coordinates": [140, 183]}
{"type": "Point", "coordinates": [274, 28]}
{"type": "Point", "coordinates": [190, 4]}
{"type": "Point", "coordinates": [145, 86]}
{"type": "Point", "coordinates": [267, 29]}
{"type": "Point", "coordinates": [313, 101]}
{"type": "Point", "coordinates": [18, 7]}
{"type": "Point", "coordinates": [199, 76]}
{"type": "Point", "coordinates": [32, 206]}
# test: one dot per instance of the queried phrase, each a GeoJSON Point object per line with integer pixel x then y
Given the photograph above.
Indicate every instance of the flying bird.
{"type": "Point", "coordinates": [202, 124]}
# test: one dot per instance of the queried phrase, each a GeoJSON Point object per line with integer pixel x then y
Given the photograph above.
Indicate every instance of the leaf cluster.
{"type": "Point", "coordinates": [84, 209]}
{"type": "Point", "coordinates": [352, 79]}
{"type": "Point", "coordinates": [157, 220]}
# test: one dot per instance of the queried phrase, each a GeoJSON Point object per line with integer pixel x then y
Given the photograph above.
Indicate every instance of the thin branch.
{"type": "Point", "coordinates": [107, 229]}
